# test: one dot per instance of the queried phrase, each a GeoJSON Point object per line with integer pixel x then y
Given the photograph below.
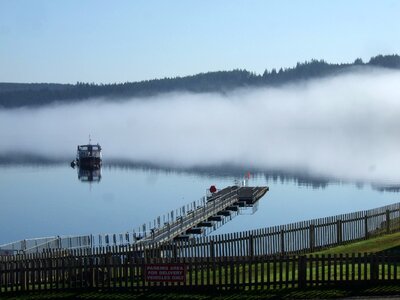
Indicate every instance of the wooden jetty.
{"type": "Point", "coordinates": [219, 205]}
{"type": "Point", "coordinates": [196, 218]}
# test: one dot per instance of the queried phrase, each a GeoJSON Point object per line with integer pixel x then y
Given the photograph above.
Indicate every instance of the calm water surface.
{"type": "Point", "coordinates": [37, 201]}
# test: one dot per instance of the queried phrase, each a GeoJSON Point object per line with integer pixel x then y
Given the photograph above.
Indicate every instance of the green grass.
{"type": "Point", "coordinates": [378, 244]}
{"type": "Point", "coordinates": [314, 293]}
{"type": "Point", "coordinates": [373, 245]}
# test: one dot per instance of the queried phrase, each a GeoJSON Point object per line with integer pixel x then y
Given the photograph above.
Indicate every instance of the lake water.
{"type": "Point", "coordinates": [48, 200]}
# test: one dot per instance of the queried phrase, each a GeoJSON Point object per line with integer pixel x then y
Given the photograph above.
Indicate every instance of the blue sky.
{"type": "Point", "coordinates": [118, 41]}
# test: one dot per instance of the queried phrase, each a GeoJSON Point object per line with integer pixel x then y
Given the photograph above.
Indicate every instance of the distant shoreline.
{"type": "Point", "coordinates": [15, 95]}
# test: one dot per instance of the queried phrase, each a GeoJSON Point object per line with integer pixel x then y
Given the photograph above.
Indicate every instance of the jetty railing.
{"type": "Point", "coordinates": [187, 211]}
{"type": "Point", "coordinates": [193, 217]}
{"type": "Point", "coordinates": [45, 243]}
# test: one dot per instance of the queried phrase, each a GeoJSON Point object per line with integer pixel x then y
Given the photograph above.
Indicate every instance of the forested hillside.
{"type": "Point", "coordinates": [36, 94]}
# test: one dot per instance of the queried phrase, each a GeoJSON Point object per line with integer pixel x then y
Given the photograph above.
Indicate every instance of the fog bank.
{"type": "Point", "coordinates": [345, 127]}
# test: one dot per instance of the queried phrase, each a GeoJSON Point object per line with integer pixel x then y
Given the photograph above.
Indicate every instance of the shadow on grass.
{"type": "Point", "coordinates": [393, 250]}
{"type": "Point", "coordinates": [308, 293]}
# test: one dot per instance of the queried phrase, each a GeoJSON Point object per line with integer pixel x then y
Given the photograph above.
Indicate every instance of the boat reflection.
{"type": "Point", "coordinates": [89, 174]}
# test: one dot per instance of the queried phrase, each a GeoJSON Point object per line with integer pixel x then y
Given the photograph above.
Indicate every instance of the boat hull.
{"type": "Point", "coordinates": [89, 162]}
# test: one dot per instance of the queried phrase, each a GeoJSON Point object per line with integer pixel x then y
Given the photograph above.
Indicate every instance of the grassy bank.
{"type": "Point", "coordinates": [386, 243]}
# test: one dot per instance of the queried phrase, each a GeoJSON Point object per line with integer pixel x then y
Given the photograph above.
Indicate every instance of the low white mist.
{"type": "Point", "coordinates": [345, 127]}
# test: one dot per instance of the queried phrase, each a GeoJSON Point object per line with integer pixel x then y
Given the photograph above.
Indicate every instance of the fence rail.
{"type": "Point", "coordinates": [97, 270]}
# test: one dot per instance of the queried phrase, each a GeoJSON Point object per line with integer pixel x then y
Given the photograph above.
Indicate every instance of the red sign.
{"type": "Point", "coordinates": [165, 272]}
{"type": "Point", "coordinates": [213, 189]}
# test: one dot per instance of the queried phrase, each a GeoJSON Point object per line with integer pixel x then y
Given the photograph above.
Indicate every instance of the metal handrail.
{"type": "Point", "coordinates": [190, 219]}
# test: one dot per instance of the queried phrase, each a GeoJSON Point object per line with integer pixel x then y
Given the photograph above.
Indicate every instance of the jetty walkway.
{"type": "Point", "coordinates": [217, 206]}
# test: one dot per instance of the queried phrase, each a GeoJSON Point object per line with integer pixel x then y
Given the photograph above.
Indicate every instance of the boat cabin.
{"type": "Point", "coordinates": [89, 151]}
{"type": "Point", "coordinates": [88, 155]}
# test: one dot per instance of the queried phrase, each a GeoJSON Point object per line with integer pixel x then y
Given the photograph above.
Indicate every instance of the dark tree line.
{"type": "Point", "coordinates": [36, 94]}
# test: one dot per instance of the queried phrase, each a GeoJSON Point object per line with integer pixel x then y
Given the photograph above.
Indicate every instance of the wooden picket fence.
{"type": "Point", "coordinates": [264, 258]}
{"type": "Point", "coordinates": [295, 238]}
{"type": "Point", "coordinates": [109, 271]}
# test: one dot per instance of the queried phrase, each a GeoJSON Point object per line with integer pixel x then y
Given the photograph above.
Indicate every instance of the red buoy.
{"type": "Point", "coordinates": [213, 189]}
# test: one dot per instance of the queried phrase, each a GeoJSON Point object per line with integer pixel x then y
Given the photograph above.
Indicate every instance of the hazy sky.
{"type": "Point", "coordinates": [117, 41]}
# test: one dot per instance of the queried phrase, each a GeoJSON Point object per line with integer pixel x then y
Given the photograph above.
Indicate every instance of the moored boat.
{"type": "Point", "coordinates": [89, 156]}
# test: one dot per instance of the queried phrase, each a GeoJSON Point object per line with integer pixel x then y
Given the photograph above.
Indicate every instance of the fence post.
{"type": "Point", "coordinates": [302, 271]}
{"type": "Point", "coordinates": [398, 222]}
{"type": "Point", "coordinates": [174, 250]}
{"type": "Point", "coordinates": [374, 268]}
{"type": "Point", "coordinates": [212, 250]}
{"type": "Point", "coordinates": [282, 242]}
{"type": "Point", "coordinates": [366, 226]}
{"type": "Point", "coordinates": [251, 246]}
{"type": "Point", "coordinates": [23, 274]}
{"type": "Point", "coordinates": [387, 221]}
{"type": "Point", "coordinates": [339, 231]}
{"type": "Point", "coordinates": [311, 237]}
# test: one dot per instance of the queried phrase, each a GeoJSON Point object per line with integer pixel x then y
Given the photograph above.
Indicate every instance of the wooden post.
{"type": "Point", "coordinates": [339, 232]}
{"type": "Point", "coordinates": [282, 241]}
{"type": "Point", "coordinates": [398, 223]}
{"type": "Point", "coordinates": [366, 226]}
{"type": "Point", "coordinates": [251, 246]}
{"type": "Point", "coordinates": [387, 221]}
{"type": "Point", "coordinates": [302, 271]}
{"type": "Point", "coordinates": [175, 250]}
{"type": "Point", "coordinates": [374, 268]}
{"type": "Point", "coordinates": [212, 249]}
{"type": "Point", "coordinates": [311, 237]}
{"type": "Point", "coordinates": [23, 273]}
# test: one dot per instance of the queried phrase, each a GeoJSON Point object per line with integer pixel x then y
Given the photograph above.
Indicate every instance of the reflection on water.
{"type": "Point", "coordinates": [47, 199]}
{"type": "Point", "coordinates": [387, 188]}
{"type": "Point", "coordinates": [302, 179]}
{"type": "Point", "coordinates": [89, 174]}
